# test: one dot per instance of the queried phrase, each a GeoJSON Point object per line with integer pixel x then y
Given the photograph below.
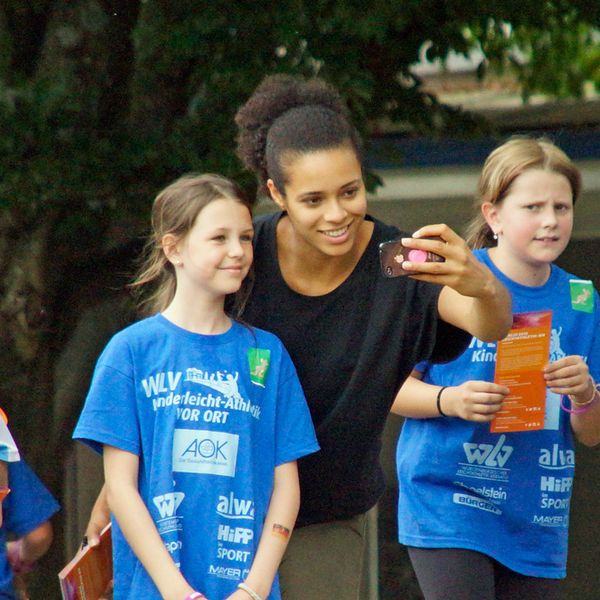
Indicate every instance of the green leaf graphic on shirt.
{"type": "Point", "coordinates": [258, 359]}
{"type": "Point", "coordinates": [582, 295]}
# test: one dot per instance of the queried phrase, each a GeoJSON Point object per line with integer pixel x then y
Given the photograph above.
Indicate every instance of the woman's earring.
{"type": "Point", "coordinates": [495, 236]}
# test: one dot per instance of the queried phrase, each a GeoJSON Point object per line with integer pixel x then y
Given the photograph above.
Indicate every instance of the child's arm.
{"type": "Point", "coordinates": [125, 502]}
{"type": "Point", "coordinates": [99, 519]}
{"type": "Point", "coordinates": [23, 552]}
{"type": "Point", "coordinates": [570, 376]}
{"type": "Point", "coordinates": [279, 522]}
{"type": "Point", "coordinates": [472, 400]}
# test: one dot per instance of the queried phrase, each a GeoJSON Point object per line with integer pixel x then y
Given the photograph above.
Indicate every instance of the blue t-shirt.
{"type": "Point", "coordinates": [505, 495]}
{"type": "Point", "coordinates": [28, 506]}
{"type": "Point", "coordinates": [210, 417]}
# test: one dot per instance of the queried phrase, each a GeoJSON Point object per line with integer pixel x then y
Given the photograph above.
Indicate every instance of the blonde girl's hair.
{"type": "Point", "coordinates": [503, 166]}
{"type": "Point", "coordinates": [174, 211]}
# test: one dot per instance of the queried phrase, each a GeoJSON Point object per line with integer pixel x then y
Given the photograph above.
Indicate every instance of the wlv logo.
{"type": "Point", "coordinates": [487, 454]}
{"type": "Point", "coordinates": [161, 383]}
{"type": "Point", "coordinates": [168, 504]}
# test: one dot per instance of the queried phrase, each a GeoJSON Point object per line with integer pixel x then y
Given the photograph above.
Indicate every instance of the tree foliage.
{"type": "Point", "coordinates": [558, 56]}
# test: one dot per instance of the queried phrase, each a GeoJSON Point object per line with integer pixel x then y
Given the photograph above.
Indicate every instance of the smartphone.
{"type": "Point", "coordinates": [393, 253]}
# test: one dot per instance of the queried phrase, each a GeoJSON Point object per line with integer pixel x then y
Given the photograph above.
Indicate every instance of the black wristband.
{"type": "Point", "coordinates": [438, 403]}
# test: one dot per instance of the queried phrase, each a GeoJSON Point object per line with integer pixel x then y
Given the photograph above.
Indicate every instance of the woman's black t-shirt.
{"type": "Point", "coordinates": [353, 348]}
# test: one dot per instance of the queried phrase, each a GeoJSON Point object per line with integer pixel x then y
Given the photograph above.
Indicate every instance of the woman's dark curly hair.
{"type": "Point", "coordinates": [288, 116]}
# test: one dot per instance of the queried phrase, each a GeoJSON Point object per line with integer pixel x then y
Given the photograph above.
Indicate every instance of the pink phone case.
{"type": "Point", "coordinates": [393, 253]}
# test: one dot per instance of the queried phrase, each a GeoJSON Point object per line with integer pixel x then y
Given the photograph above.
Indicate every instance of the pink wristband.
{"type": "Point", "coordinates": [578, 409]}
{"type": "Point", "coordinates": [194, 595]}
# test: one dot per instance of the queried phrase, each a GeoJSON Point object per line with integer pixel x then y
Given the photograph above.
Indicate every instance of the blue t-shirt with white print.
{"type": "Point", "coordinates": [210, 417]}
{"type": "Point", "coordinates": [506, 495]}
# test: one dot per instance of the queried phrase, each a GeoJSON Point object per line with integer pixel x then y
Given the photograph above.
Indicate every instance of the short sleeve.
{"type": "Point", "coordinates": [422, 366]}
{"type": "Point", "coordinates": [109, 415]}
{"type": "Point", "coordinates": [29, 503]}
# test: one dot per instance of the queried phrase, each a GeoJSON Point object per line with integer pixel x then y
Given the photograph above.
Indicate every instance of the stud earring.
{"type": "Point", "coordinates": [495, 236]}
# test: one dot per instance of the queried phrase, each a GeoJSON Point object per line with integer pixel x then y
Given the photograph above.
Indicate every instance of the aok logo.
{"type": "Point", "coordinates": [203, 451]}
{"type": "Point", "coordinates": [487, 454]}
{"type": "Point", "coordinates": [207, 448]}
{"type": "Point", "coordinates": [168, 504]}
